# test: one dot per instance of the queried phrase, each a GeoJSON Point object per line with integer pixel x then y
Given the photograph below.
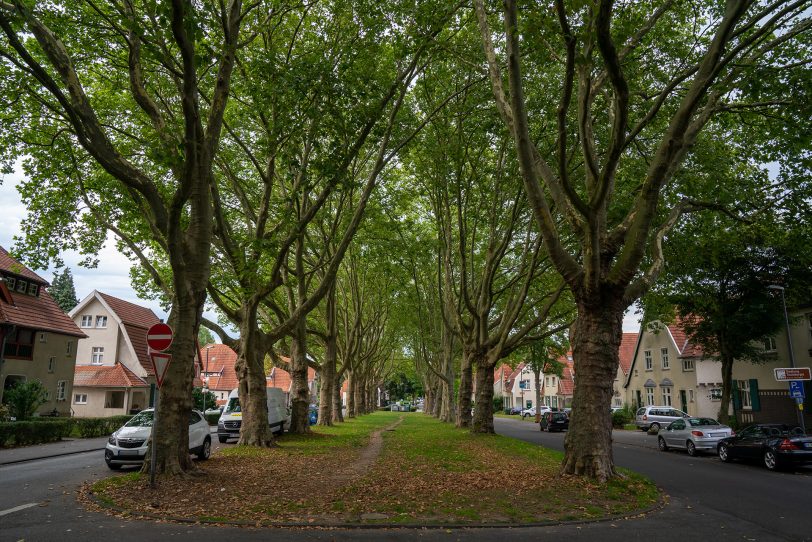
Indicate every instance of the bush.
{"type": "Point", "coordinates": [212, 418]}
{"type": "Point", "coordinates": [34, 432]}
{"type": "Point", "coordinates": [24, 398]}
{"type": "Point", "coordinates": [99, 427]}
{"type": "Point", "coordinates": [622, 417]}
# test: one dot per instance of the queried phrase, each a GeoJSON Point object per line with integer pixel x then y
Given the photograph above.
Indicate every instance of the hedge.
{"type": "Point", "coordinates": [212, 418]}
{"type": "Point", "coordinates": [42, 430]}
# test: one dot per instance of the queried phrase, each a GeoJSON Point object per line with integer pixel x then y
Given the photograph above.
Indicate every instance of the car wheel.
{"type": "Point", "coordinates": [724, 453]}
{"type": "Point", "coordinates": [222, 440]}
{"type": "Point", "coordinates": [691, 447]}
{"type": "Point", "coordinates": [281, 430]}
{"type": "Point", "coordinates": [662, 445]}
{"type": "Point", "coordinates": [205, 450]}
{"type": "Point", "coordinates": [108, 456]}
{"type": "Point", "coordinates": [654, 427]}
{"type": "Point", "coordinates": [771, 460]}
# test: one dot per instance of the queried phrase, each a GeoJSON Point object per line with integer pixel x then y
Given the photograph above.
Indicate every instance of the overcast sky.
{"type": "Point", "coordinates": [112, 275]}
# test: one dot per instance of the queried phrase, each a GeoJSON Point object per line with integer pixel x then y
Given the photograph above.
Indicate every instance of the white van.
{"type": "Point", "coordinates": [231, 419]}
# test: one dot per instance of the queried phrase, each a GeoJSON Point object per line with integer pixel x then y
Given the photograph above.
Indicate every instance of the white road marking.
{"type": "Point", "coordinates": [18, 508]}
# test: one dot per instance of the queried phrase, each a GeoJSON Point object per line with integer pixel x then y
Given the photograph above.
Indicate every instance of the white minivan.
{"type": "Point", "coordinates": [231, 419]}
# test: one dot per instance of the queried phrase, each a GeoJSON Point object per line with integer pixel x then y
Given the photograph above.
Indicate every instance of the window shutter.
{"type": "Point", "coordinates": [754, 398]}
{"type": "Point", "coordinates": [734, 393]}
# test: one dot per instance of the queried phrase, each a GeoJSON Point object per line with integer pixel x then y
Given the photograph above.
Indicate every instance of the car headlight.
{"type": "Point", "coordinates": [112, 440]}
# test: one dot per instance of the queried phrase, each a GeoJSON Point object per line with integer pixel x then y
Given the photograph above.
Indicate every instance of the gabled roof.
{"type": "Point", "coordinates": [628, 345]}
{"type": "Point", "coordinates": [220, 359]}
{"type": "Point", "coordinates": [566, 384]}
{"type": "Point", "coordinates": [12, 266]}
{"type": "Point", "coordinates": [134, 321]}
{"type": "Point", "coordinates": [40, 313]}
{"type": "Point", "coordinates": [503, 371]}
{"type": "Point", "coordinates": [116, 376]}
{"type": "Point", "coordinates": [679, 338]}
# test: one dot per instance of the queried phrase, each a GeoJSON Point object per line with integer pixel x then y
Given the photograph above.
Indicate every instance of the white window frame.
{"type": "Point", "coordinates": [744, 394]}
{"type": "Point", "coordinates": [11, 282]}
{"type": "Point", "coordinates": [22, 286]}
{"type": "Point", "coordinates": [32, 289]}
{"type": "Point", "coordinates": [665, 359]}
{"type": "Point", "coordinates": [649, 396]}
{"type": "Point", "coordinates": [87, 321]}
{"type": "Point", "coordinates": [97, 356]}
{"type": "Point", "coordinates": [770, 345]}
{"type": "Point", "coordinates": [101, 322]}
{"type": "Point", "coordinates": [715, 394]}
{"type": "Point", "coordinates": [60, 390]}
{"type": "Point", "coordinates": [666, 392]}
{"type": "Point", "coordinates": [688, 365]}
{"type": "Point", "coordinates": [51, 364]}
{"type": "Point", "coordinates": [79, 398]}
{"type": "Point", "coordinates": [649, 360]}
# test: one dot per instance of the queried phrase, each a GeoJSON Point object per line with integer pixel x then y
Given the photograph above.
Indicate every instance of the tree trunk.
{"type": "Point", "coordinates": [595, 344]}
{"type": "Point", "coordinates": [464, 399]}
{"type": "Point", "coordinates": [254, 429]}
{"type": "Point", "coordinates": [727, 387]}
{"type": "Point", "coordinates": [537, 376]}
{"type": "Point", "coordinates": [350, 395]}
{"type": "Point", "coordinates": [447, 406]}
{"type": "Point", "coordinates": [338, 414]}
{"type": "Point", "coordinates": [300, 393]}
{"type": "Point", "coordinates": [328, 368]}
{"type": "Point", "coordinates": [483, 411]}
{"type": "Point", "coordinates": [359, 382]}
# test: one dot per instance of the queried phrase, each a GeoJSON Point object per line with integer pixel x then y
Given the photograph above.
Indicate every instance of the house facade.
{"type": "Point", "coordinates": [669, 369]}
{"type": "Point", "coordinates": [628, 345]}
{"type": "Point", "coordinates": [217, 362]}
{"type": "Point", "coordinates": [37, 339]}
{"type": "Point", "coordinates": [114, 372]}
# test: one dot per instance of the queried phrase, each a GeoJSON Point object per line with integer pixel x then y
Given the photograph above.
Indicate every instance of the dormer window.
{"type": "Point", "coordinates": [33, 289]}
{"type": "Point", "coordinates": [22, 286]}
{"type": "Point", "coordinates": [11, 282]}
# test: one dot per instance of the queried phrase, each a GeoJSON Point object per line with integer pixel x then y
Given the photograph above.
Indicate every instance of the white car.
{"type": "Point", "coordinates": [532, 411]}
{"type": "Point", "coordinates": [129, 444]}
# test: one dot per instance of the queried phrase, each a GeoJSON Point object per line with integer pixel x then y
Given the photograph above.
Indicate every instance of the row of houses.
{"type": "Point", "coordinates": [94, 360]}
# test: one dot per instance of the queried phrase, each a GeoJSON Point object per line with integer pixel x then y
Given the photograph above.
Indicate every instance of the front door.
{"type": "Point", "coordinates": [683, 399]}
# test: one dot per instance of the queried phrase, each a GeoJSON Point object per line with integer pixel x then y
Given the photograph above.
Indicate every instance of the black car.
{"type": "Point", "coordinates": [776, 445]}
{"type": "Point", "coordinates": [515, 410]}
{"type": "Point", "coordinates": [554, 421]}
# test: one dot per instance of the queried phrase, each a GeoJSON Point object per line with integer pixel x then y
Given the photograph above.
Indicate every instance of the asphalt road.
{"type": "Point", "coordinates": [706, 500]}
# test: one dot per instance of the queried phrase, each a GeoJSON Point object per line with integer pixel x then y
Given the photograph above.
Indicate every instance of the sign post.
{"type": "Point", "coordinates": [159, 338]}
{"type": "Point", "coordinates": [795, 376]}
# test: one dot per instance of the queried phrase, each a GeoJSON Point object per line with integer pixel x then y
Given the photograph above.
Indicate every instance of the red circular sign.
{"type": "Point", "coordinates": [159, 337]}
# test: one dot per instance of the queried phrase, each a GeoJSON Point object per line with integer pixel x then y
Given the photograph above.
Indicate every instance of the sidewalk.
{"type": "Point", "coordinates": [52, 449]}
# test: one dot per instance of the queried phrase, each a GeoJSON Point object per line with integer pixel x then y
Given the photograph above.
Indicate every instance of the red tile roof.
{"type": "Point", "coordinates": [279, 378]}
{"type": "Point", "coordinates": [10, 265]}
{"type": "Point", "coordinates": [566, 384]}
{"type": "Point", "coordinates": [685, 347]}
{"type": "Point", "coordinates": [626, 353]}
{"type": "Point", "coordinates": [220, 359]}
{"type": "Point", "coordinates": [116, 376]}
{"type": "Point", "coordinates": [503, 371]}
{"type": "Point", "coordinates": [130, 313]}
{"type": "Point", "coordinates": [41, 312]}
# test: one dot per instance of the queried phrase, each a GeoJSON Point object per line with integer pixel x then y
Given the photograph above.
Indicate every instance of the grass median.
{"type": "Point", "coordinates": [419, 471]}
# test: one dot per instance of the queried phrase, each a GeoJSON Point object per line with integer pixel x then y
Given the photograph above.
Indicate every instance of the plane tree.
{"type": "Point", "coordinates": [634, 86]}
{"type": "Point", "coordinates": [117, 110]}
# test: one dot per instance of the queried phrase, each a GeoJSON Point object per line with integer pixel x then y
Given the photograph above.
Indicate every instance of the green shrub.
{"type": "Point", "coordinates": [24, 398]}
{"type": "Point", "coordinates": [622, 417]}
{"type": "Point", "coordinates": [99, 427]}
{"type": "Point", "coordinates": [34, 432]}
{"type": "Point", "coordinates": [212, 418]}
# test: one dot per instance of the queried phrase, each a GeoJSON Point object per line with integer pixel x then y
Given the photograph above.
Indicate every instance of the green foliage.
{"type": "Point", "coordinates": [498, 403]}
{"type": "Point", "coordinates": [401, 386]}
{"type": "Point", "coordinates": [212, 419]}
{"type": "Point", "coordinates": [203, 401]}
{"type": "Point", "coordinates": [204, 337]}
{"type": "Point", "coordinates": [63, 290]}
{"type": "Point", "coordinates": [34, 431]}
{"type": "Point", "coordinates": [99, 427]}
{"type": "Point", "coordinates": [24, 398]}
{"type": "Point", "coordinates": [622, 417]}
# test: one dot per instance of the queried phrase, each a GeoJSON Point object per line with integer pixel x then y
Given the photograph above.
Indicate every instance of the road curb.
{"type": "Point", "coordinates": [61, 454]}
{"type": "Point", "coordinates": [659, 505]}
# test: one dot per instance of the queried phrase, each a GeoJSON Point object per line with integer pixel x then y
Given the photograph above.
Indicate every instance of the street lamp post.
{"type": "Point", "coordinates": [789, 342]}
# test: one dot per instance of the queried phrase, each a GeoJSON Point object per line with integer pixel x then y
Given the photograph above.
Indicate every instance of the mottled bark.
{"type": "Point", "coordinates": [350, 395]}
{"type": "Point", "coordinates": [338, 414]}
{"type": "Point", "coordinates": [483, 410]}
{"type": "Point", "coordinates": [254, 429]}
{"type": "Point", "coordinates": [328, 367]}
{"type": "Point", "coordinates": [300, 393]}
{"type": "Point", "coordinates": [727, 386]}
{"type": "Point", "coordinates": [595, 345]}
{"type": "Point", "coordinates": [464, 399]}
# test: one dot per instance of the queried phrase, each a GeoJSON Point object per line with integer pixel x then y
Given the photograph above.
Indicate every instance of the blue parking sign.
{"type": "Point", "coordinates": [796, 389]}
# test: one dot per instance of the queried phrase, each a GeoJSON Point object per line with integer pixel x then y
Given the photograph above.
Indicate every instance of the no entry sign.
{"type": "Point", "coordinates": [159, 337]}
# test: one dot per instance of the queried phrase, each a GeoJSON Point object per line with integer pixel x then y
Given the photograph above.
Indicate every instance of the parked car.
{"type": "Point", "coordinates": [554, 421]}
{"type": "Point", "coordinates": [777, 446]}
{"type": "Point", "coordinates": [532, 410]}
{"type": "Point", "coordinates": [693, 434]}
{"type": "Point", "coordinates": [515, 410]}
{"type": "Point", "coordinates": [230, 422]}
{"type": "Point", "coordinates": [129, 444]}
{"type": "Point", "coordinates": [215, 410]}
{"type": "Point", "coordinates": [655, 417]}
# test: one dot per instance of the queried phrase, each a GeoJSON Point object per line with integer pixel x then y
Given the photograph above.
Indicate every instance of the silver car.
{"type": "Point", "coordinates": [693, 434]}
{"type": "Point", "coordinates": [654, 417]}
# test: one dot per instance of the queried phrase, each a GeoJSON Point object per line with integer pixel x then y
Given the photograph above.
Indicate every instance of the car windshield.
{"type": "Point", "coordinates": [696, 422]}
{"type": "Point", "coordinates": [142, 419]}
{"type": "Point", "coordinates": [232, 406]}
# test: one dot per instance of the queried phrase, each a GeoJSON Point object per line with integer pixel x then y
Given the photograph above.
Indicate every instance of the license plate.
{"type": "Point", "coordinates": [807, 444]}
{"type": "Point", "coordinates": [128, 452]}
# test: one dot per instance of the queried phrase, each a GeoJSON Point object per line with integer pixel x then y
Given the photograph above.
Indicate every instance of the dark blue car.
{"type": "Point", "coordinates": [777, 446]}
